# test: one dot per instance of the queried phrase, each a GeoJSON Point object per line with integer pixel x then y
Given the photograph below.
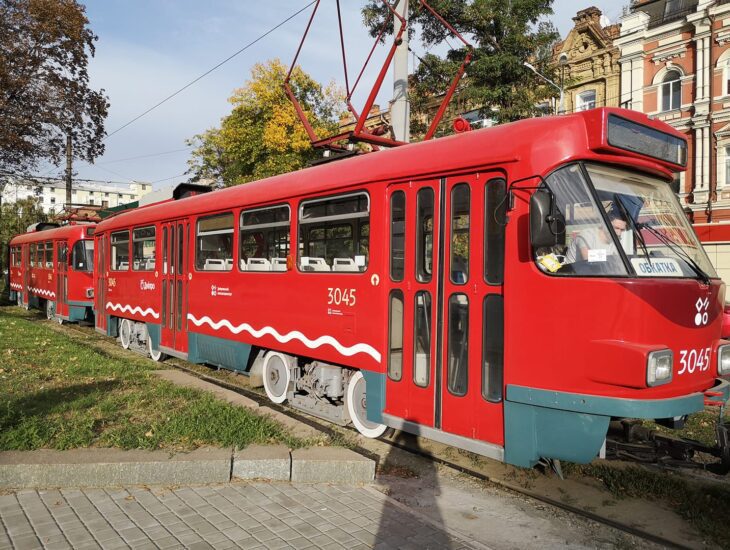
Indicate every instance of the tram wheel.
{"type": "Point", "coordinates": [155, 354]}
{"type": "Point", "coordinates": [125, 333]}
{"type": "Point", "coordinates": [50, 310]}
{"type": "Point", "coordinates": [357, 408]}
{"type": "Point", "coordinates": [277, 376]}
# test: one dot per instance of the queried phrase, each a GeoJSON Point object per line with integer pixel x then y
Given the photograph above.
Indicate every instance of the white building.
{"type": "Point", "coordinates": [52, 192]}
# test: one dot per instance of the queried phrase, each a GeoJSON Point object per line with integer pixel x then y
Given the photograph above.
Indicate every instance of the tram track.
{"type": "Point", "coordinates": [422, 448]}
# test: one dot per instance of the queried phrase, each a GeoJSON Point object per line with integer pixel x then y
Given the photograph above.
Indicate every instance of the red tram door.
{"type": "Point", "coordinates": [412, 301]}
{"type": "Point", "coordinates": [62, 278]}
{"type": "Point", "coordinates": [175, 243]}
{"type": "Point", "coordinates": [444, 378]}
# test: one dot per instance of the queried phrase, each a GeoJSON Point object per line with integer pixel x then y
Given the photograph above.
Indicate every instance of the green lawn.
{"type": "Point", "coordinates": [56, 393]}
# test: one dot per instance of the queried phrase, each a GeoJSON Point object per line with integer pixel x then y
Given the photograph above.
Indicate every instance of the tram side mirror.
{"type": "Point", "coordinates": [547, 224]}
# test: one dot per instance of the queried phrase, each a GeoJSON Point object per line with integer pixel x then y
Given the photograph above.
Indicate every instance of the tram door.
{"type": "Point", "coordinates": [101, 276]}
{"type": "Point", "coordinates": [441, 362]}
{"type": "Point", "coordinates": [62, 278]}
{"type": "Point", "coordinates": [175, 243]}
{"type": "Point", "coordinates": [26, 274]}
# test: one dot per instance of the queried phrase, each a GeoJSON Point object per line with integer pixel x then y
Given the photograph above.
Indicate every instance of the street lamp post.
{"type": "Point", "coordinates": [561, 107]}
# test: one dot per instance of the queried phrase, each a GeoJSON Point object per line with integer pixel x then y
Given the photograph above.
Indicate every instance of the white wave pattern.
{"type": "Point", "coordinates": [42, 292]}
{"type": "Point", "coordinates": [294, 335]}
{"type": "Point", "coordinates": [16, 286]}
{"type": "Point", "coordinates": [133, 310]}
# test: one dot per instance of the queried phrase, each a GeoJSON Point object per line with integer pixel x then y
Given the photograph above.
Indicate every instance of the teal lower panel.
{"type": "Point", "coordinates": [533, 432]}
{"type": "Point", "coordinates": [153, 332]}
{"type": "Point", "coordinates": [112, 326]}
{"type": "Point", "coordinates": [218, 352]}
{"type": "Point", "coordinates": [375, 392]}
{"type": "Point", "coordinates": [76, 313]}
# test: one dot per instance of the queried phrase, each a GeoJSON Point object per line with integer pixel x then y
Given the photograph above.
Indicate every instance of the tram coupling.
{"type": "Point", "coordinates": [632, 440]}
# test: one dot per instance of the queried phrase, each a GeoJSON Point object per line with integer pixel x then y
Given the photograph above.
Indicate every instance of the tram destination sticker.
{"type": "Point", "coordinates": [659, 267]}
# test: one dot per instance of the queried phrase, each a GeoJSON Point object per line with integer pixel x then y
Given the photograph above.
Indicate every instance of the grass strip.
{"type": "Point", "coordinates": [56, 393]}
{"type": "Point", "coordinates": [703, 505]}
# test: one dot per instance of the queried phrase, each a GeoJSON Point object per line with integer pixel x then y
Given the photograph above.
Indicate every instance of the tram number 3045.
{"type": "Point", "coordinates": [339, 296]}
{"type": "Point", "coordinates": [694, 360]}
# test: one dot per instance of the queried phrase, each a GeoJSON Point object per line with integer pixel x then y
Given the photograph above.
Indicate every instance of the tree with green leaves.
{"type": "Point", "coordinates": [44, 84]}
{"type": "Point", "coordinates": [504, 33]}
{"type": "Point", "coordinates": [262, 136]}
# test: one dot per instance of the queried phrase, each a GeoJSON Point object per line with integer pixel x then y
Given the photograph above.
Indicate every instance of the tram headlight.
{"type": "Point", "coordinates": [723, 360]}
{"type": "Point", "coordinates": [659, 367]}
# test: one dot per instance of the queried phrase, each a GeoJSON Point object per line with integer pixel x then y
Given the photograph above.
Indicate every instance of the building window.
{"type": "Point", "coordinates": [671, 91]}
{"type": "Point", "coordinates": [586, 100]}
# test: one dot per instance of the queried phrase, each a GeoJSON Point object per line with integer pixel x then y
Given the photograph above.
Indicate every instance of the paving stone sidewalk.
{"type": "Point", "coordinates": [238, 515]}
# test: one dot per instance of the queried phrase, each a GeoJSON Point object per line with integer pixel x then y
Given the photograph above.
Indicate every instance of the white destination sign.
{"type": "Point", "coordinates": [658, 267]}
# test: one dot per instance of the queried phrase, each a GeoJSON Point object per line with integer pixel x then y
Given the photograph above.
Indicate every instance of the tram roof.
{"type": "Point", "coordinates": [63, 232]}
{"type": "Point", "coordinates": [539, 144]}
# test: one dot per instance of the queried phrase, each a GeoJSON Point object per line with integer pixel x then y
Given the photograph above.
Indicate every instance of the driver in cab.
{"type": "Point", "coordinates": [595, 244]}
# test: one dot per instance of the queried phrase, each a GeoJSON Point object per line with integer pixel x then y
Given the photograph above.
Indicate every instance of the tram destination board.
{"type": "Point", "coordinates": [637, 138]}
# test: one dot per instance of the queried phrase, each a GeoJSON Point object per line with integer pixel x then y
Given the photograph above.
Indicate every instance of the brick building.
{"type": "Point", "coordinates": [675, 66]}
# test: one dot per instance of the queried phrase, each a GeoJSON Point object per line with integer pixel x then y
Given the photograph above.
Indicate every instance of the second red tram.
{"type": "Point", "coordinates": [507, 291]}
{"type": "Point", "coordinates": [51, 268]}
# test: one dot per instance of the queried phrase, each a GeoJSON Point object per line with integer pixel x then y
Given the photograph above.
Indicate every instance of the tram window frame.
{"type": "Point", "coordinates": [493, 348]}
{"type": "Point", "coordinates": [115, 243]}
{"type": "Point", "coordinates": [495, 226]}
{"type": "Point", "coordinates": [31, 255]}
{"type": "Point", "coordinates": [274, 235]}
{"type": "Point", "coordinates": [200, 262]}
{"type": "Point", "coordinates": [164, 250]}
{"type": "Point", "coordinates": [395, 373]}
{"type": "Point", "coordinates": [456, 231]}
{"type": "Point", "coordinates": [83, 247]}
{"type": "Point", "coordinates": [328, 221]}
{"type": "Point", "coordinates": [398, 235]}
{"type": "Point", "coordinates": [463, 369]}
{"type": "Point", "coordinates": [425, 235]}
{"type": "Point", "coordinates": [418, 332]}
{"type": "Point", "coordinates": [48, 255]}
{"type": "Point", "coordinates": [138, 252]}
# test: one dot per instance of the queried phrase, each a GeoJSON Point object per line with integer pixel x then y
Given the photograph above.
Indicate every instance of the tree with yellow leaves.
{"type": "Point", "coordinates": [263, 136]}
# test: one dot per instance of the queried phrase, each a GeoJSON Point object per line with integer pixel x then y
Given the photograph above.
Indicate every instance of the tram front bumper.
{"type": "Point", "coordinates": [569, 426]}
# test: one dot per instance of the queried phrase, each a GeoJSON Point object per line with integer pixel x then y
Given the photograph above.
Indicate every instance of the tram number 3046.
{"type": "Point", "coordinates": [339, 296]}
{"type": "Point", "coordinates": [694, 360]}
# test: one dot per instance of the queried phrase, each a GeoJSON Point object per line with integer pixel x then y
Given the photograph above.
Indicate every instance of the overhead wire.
{"type": "Point", "coordinates": [206, 73]}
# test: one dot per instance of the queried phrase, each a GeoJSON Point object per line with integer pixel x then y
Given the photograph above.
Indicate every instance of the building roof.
{"type": "Point", "coordinates": [661, 12]}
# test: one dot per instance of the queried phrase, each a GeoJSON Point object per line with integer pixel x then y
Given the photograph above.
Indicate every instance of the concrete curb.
{"type": "Point", "coordinates": [111, 467]}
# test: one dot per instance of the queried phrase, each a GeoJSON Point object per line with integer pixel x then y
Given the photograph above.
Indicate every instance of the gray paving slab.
{"type": "Point", "coordinates": [109, 467]}
{"type": "Point", "coordinates": [331, 465]}
{"type": "Point", "coordinates": [224, 518]}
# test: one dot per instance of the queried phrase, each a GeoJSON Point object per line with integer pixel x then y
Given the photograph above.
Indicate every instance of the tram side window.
{"type": "Point", "coordinates": [49, 254]}
{"type": "Point", "coordinates": [458, 345]}
{"type": "Point", "coordinates": [31, 255]}
{"type": "Point", "coordinates": [422, 339]}
{"type": "Point", "coordinates": [397, 235]}
{"type": "Point", "coordinates": [424, 235]}
{"type": "Point", "coordinates": [264, 237]}
{"type": "Point", "coordinates": [395, 338]}
{"type": "Point", "coordinates": [120, 251]}
{"type": "Point", "coordinates": [460, 206]}
{"type": "Point", "coordinates": [493, 348]}
{"type": "Point", "coordinates": [214, 243]}
{"type": "Point", "coordinates": [334, 233]}
{"type": "Point", "coordinates": [495, 211]}
{"type": "Point", "coordinates": [82, 255]}
{"type": "Point", "coordinates": [143, 249]}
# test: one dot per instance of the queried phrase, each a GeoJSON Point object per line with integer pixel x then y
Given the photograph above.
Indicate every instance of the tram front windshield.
{"type": "Point", "coordinates": [621, 223]}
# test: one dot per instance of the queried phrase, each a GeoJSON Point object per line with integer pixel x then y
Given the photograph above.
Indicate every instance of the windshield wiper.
{"type": "Point", "coordinates": [677, 249]}
{"type": "Point", "coordinates": [634, 226]}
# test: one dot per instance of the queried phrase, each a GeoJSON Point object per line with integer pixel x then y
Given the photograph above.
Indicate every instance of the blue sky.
{"type": "Point", "coordinates": [147, 49]}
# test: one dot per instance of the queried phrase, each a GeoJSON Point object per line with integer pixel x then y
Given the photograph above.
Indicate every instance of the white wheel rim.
{"type": "Point", "coordinates": [356, 408]}
{"type": "Point", "coordinates": [277, 376]}
{"type": "Point", "coordinates": [125, 329]}
{"type": "Point", "coordinates": [155, 355]}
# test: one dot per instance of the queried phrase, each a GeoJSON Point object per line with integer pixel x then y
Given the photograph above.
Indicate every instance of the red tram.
{"type": "Point", "coordinates": [51, 268]}
{"type": "Point", "coordinates": [507, 290]}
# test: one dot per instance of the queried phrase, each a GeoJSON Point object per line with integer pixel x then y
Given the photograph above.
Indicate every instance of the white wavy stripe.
{"type": "Point", "coordinates": [294, 335]}
{"type": "Point", "coordinates": [16, 286]}
{"type": "Point", "coordinates": [133, 310]}
{"type": "Point", "coordinates": [42, 292]}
